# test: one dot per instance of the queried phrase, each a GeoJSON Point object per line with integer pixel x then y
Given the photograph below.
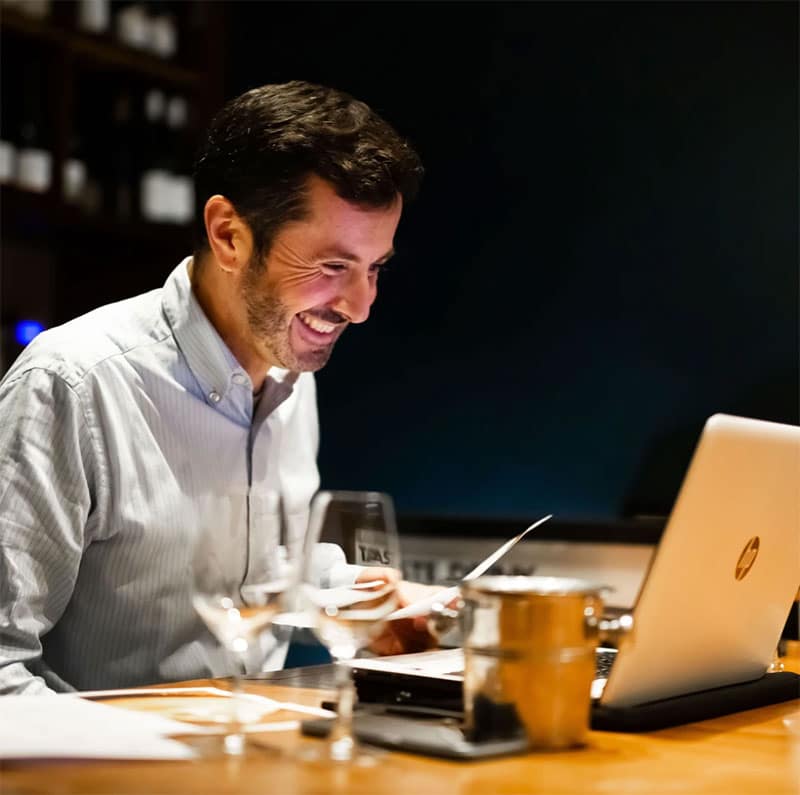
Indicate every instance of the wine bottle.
{"type": "Point", "coordinates": [181, 207]}
{"type": "Point", "coordinates": [8, 160]}
{"type": "Point", "coordinates": [122, 188]}
{"type": "Point", "coordinates": [74, 171]}
{"type": "Point", "coordinates": [88, 144]}
{"type": "Point", "coordinates": [9, 124]}
{"type": "Point", "coordinates": [133, 25]}
{"type": "Point", "coordinates": [35, 160]}
{"type": "Point", "coordinates": [163, 30]}
{"type": "Point", "coordinates": [155, 176]}
{"type": "Point", "coordinates": [94, 16]}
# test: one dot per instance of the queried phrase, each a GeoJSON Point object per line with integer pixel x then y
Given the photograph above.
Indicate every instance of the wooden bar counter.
{"type": "Point", "coordinates": [750, 752]}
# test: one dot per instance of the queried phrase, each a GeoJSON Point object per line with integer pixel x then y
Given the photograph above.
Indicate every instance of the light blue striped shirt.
{"type": "Point", "coordinates": [122, 433]}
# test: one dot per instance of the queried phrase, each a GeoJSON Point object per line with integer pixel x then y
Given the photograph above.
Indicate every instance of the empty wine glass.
{"type": "Point", "coordinates": [350, 573]}
{"type": "Point", "coordinates": [237, 589]}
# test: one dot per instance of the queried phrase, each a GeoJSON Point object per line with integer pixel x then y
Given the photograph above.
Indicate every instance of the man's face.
{"type": "Point", "coordinates": [321, 274]}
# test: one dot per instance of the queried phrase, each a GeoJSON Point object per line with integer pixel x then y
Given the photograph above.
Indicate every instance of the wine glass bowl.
{"type": "Point", "coordinates": [350, 575]}
{"type": "Point", "coordinates": [238, 589]}
{"type": "Point", "coordinates": [351, 616]}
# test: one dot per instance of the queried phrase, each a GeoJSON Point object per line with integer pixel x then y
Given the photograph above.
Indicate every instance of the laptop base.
{"type": "Point", "coordinates": [426, 693]}
{"type": "Point", "coordinates": [705, 705]}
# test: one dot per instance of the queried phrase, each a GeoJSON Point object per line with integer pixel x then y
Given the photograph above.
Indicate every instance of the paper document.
{"type": "Point", "coordinates": [208, 705]}
{"type": "Point", "coordinates": [447, 595]}
{"type": "Point", "coordinates": [65, 727]}
{"type": "Point", "coordinates": [440, 664]}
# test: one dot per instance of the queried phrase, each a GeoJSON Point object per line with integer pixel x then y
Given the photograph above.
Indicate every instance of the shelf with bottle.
{"type": "Point", "coordinates": [142, 37]}
{"type": "Point", "coordinates": [134, 143]}
{"type": "Point", "coordinates": [123, 154]}
{"type": "Point", "coordinates": [37, 219]}
{"type": "Point", "coordinates": [28, 122]}
{"type": "Point", "coordinates": [57, 130]}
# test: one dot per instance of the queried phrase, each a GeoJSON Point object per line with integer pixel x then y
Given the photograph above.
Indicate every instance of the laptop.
{"type": "Point", "coordinates": [723, 579]}
{"type": "Point", "coordinates": [712, 605]}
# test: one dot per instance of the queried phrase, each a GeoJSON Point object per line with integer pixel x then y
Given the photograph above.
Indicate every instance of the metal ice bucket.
{"type": "Point", "coordinates": [529, 647]}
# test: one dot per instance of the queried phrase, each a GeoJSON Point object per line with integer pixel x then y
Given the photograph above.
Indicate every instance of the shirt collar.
{"type": "Point", "coordinates": [224, 382]}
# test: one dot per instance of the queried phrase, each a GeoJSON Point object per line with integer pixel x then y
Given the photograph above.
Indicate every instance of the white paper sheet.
{"type": "Point", "coordinates": [440, 664]}
{"type": "Point", "coordinates": [251, 705]}
{"type": "Point", "coordinates": [64, 727]}
{"type": "Point", "coordinates": [446, 595]}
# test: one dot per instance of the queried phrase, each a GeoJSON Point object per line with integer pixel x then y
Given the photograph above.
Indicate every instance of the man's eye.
{"type": "Point", "coordinates": [334, 267]}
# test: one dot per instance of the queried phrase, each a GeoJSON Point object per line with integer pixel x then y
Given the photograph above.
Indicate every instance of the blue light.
{"type": "Point", "coordinates": [26, 330]}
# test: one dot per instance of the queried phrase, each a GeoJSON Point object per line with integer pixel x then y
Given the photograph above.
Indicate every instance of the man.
{"type": "Point", "coordinates": [127, 430]}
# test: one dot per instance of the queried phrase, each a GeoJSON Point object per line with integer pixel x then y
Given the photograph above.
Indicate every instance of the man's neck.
{"type": "Point", "coordinates": [214, 290]}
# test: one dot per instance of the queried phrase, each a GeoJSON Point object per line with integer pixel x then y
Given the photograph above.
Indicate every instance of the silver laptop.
{"type": "Point", "coordinates": [720, 586]}
{"type": "Point", "coordinates": [722, 581]}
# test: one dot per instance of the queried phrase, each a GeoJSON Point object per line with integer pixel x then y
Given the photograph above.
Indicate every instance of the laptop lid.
{"type": "Point", "coordinates": [723, 578]}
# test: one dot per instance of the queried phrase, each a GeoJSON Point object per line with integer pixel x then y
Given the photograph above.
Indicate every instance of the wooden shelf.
{"type": "Point", "coordinates": [58, 259]}
{"type": "Point", "coordinates": [27, 217]}
{"type": "Point", "coordinates": [99, 51]}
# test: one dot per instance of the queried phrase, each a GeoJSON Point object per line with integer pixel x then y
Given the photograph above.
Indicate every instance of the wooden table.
{"type": "Point", "coordinates": [751, 752]}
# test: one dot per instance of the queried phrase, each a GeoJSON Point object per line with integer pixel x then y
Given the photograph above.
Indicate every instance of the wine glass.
{"type": "Point", "coordinates": [350, 573]}
{"type": "Point", "coordinates": [238, 587]}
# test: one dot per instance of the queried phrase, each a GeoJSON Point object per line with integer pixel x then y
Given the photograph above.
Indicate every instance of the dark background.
{"type": "Point", "coordinates": [604, 252]}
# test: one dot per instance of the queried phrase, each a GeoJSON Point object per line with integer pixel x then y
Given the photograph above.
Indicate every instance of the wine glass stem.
{"type": "Point", "coordinates": [341, 738]}
{"type": "Point", "coordinates": [234, 739]}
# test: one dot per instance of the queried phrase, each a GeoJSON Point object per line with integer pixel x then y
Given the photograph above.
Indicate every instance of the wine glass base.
{"type": "Point", "coordinates": [234, 744]}
{"type": "Point", "coordinates": [341, 752]}
{"type": "Point", "coordinates": [230, 748]}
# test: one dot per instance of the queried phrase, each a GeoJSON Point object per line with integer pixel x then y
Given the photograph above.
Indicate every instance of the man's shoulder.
{"type": "Point", "coordinates": [72, 350]}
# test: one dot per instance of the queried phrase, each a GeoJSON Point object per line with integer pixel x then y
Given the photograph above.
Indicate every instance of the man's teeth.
{"type": "Point", "coordinates": [315, 323]}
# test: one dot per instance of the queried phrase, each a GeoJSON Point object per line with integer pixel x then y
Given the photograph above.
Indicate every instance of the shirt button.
{"type": "Point", "coordinates": [238, 378]}
{"type": "Point", "coordinates": [214, 397]}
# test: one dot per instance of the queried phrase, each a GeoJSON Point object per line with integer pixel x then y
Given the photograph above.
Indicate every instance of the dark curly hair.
{"type": "Point", "coordinates": [262, 146]}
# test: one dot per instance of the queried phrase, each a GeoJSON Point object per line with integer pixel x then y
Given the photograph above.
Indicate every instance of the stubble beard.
{"type": "Point", "coordinates": [269, 321]}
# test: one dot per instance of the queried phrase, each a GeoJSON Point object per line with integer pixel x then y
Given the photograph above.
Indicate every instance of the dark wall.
{"type": "Point", "coordinates": [605, 251]}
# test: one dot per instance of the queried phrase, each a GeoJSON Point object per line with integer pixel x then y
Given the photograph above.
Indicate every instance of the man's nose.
{"type": "Point", "coordinates": [356, 298]}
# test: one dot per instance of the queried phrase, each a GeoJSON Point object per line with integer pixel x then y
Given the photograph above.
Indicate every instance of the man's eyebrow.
{"type": "Point", "coordinates": [386, 257]}
{"type": "Point", "coordinates": [338, 253]}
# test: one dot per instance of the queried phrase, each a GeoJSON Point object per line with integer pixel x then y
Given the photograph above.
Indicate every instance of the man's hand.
{"type": "Point", "coordinates": [405, 635]}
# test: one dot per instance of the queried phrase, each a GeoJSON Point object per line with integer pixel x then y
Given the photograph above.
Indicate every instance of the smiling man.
{"type": "Point", "coordinates": [287, 308]}
{"type": "Point", "coordinates": [128, 430]}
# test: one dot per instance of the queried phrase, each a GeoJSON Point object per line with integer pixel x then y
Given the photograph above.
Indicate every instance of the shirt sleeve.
{"type": "Point", "coordinates": [329, 567]}
{"type": "Point", "coordinates": [46, 486]}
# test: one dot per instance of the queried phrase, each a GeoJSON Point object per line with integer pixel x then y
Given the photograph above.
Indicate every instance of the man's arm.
{"type": "Point", "coordinates": [45, 498]}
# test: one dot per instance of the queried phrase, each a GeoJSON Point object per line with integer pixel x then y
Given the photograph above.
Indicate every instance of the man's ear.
{"type": "Point", "coordinates": [229, 236]}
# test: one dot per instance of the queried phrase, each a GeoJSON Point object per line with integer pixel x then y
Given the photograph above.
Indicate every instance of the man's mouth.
{"type": "Point", "coordinates": [317, 323]}
{"type": "Point", "coordinates": [318, 330]}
